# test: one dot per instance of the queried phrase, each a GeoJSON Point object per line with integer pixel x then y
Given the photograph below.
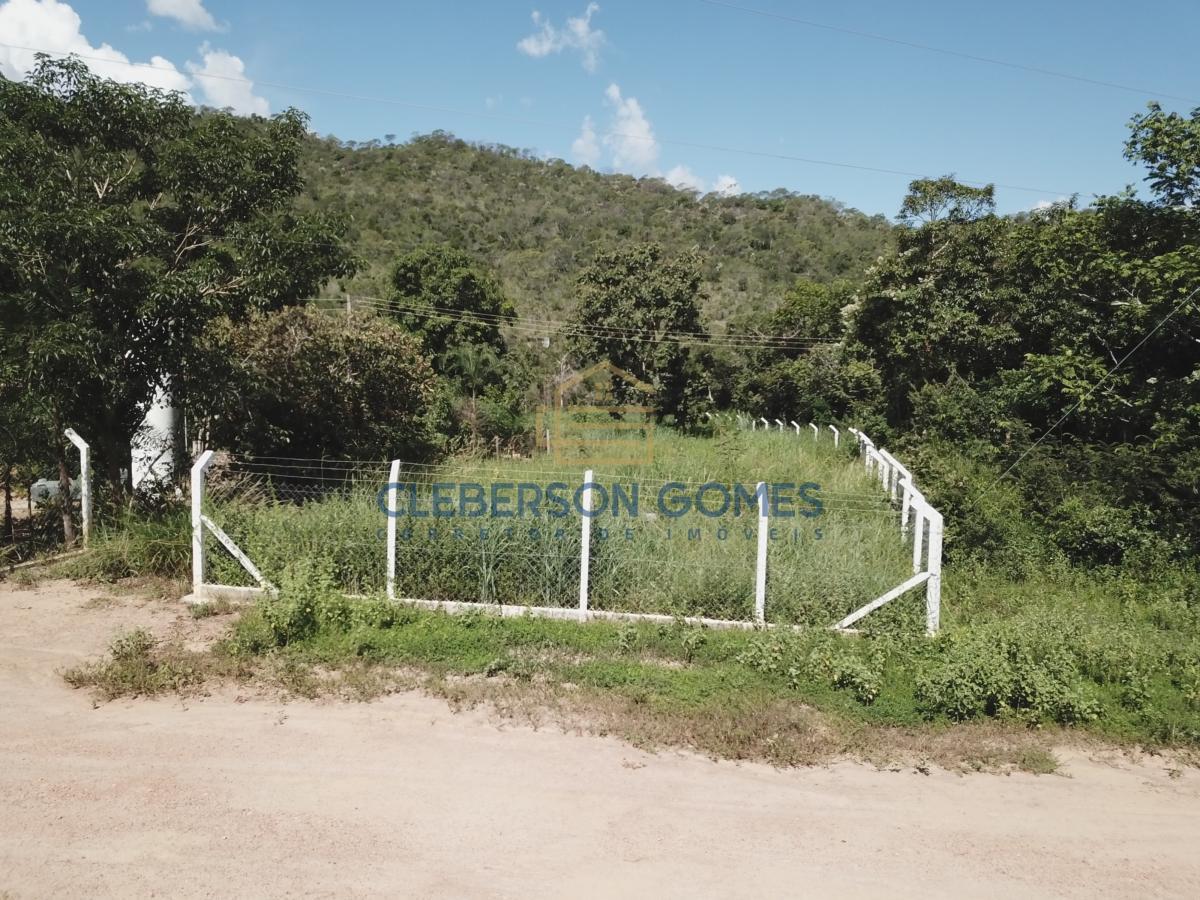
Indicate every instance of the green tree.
{"type": "Point", "coordinates": [1075, 327]}
{"type": "Point", "coordinates": [637, 310]}
{"type": "Point", "coordinates": [1168, 144]}
{"type": "Point", "coordinates": [931, 200]}
{"type": "Point", "coordinates": [446, 298]}
{"type": "Point", "coordinates": [128, 223]}
{"type": "Point", "coordinates": [306, 383]}
{"type": "Point", "coordinates": [814, 377]}
{"type": "Point", "coordinates": [537, 222]}
{"type": "Point", "coordinates": [473, 367]}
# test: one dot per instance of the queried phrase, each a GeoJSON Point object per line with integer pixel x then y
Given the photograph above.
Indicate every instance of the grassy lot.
{"type": "Point", "coordinates": [665, 556]}
{"type": "Point", "coordinates": [1105, 653]}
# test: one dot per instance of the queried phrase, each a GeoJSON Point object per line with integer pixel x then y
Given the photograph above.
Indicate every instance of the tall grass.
{"type": "Point", "coordinates": [692, 564]}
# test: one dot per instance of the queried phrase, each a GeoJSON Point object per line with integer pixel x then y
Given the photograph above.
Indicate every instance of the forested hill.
{"type": "Point", "coordinates": [537, 222]}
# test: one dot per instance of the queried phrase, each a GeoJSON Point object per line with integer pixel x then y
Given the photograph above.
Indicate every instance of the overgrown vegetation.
{"type": "Point", "coordinates": [537, 223]}
{"type": "Point", "coordinates": [1038, 372]}
{"type": "Point", "coordinates": [820, 568]}
{"type": "Point", "coordinates": [788, 697]}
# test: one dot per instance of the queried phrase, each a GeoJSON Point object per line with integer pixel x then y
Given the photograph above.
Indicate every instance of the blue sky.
{"type": "Point", "coordinates": [654, 80]}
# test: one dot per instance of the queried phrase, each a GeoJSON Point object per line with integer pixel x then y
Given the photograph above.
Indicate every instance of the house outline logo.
{"type": "Point", "coordinates": [566, 435]}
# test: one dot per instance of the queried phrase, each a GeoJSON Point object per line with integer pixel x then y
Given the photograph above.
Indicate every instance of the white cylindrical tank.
{"type": "Point", "coordinates": [154, 446]}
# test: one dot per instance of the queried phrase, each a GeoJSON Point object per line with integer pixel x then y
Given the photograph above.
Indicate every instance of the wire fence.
{"type": "Point", "coordinates": [526, 534]}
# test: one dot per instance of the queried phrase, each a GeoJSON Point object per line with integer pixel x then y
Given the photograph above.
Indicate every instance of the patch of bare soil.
{"type": "Point", "coordinates": [246, 795]}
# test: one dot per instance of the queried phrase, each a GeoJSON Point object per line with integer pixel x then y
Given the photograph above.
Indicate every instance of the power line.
{"type": "Point", "coordinates": [564, 329]}
{"type": "Point", "coordinates": [1052, 73]}
{"type": "Point", "coordinates": [693, 145]}
{"type": "Point", "coordinates": [1078, 403]}
{"type": "Point", "coordinates": [544, 328]}
{"type": "Point", "coordinates": [612, 330]}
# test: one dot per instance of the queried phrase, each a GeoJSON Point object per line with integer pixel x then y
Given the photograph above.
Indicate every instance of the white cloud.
{"type": "Point", "coordinates": [223, 80]}
{"type": "Point", "coordinates": [577, 35]}
{"type": "Point", "coordinates": [726, 186]}
{"type": "Point", "coordinates": [633, 148]}
{"type": "Point", "coordinates": [631, 138]}
{"type": "Point", "coordinates": [54, 27]}
{"type": "Point", "coordinates": [189, 13]}
{"type": "Point", "coordinates": [1047, 204]}
{"type": "Point", "coordinates": [684, 178]}
{"type": "Point", "coordinates": [586, 148]}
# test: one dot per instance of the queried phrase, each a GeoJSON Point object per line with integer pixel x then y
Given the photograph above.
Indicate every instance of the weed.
{"type": "Point", "coordinates": [137, 665]}
{"type": "Point", "coordinates": [220, 607]}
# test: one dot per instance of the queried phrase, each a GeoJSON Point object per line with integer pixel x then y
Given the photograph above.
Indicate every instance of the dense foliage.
{"type": "Point", "coordinates": [129, 222]}
{"type": "Point", "coordinates": [307, 384]}
{"type": "Point", "coordinates": [537, 223]}
{"type": "Point", "coordinates": [1078, 325]}
{"type": "Point", "coordinates": [1041, 372]}
{"type": "Point", "coordinates": [637, 310]}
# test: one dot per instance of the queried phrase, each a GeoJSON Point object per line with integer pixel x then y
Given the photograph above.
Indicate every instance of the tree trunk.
{"type": "Point", "coordinates": [8, 513]}
{"type": "Point", "coordinates": [64, 494]}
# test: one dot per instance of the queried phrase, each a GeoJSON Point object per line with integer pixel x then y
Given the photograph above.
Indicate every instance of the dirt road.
{"type": "Point", "coordinates": [226, 796]}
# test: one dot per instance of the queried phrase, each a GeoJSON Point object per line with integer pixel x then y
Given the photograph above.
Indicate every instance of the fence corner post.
{"type": "Point", "coordinates": [906, 505]}
{"type": "Point", "coordinates": [933, 587]}
{"type": "Point", "coordinates": [760, 569]}
{"type": "Point", "coordinates": [585, 543]}
{"type": "Point", "coordinates": [85, 482]}
{"type": "Point", "coordinates": [203, 461]}
{"type": "Point", "coordinates": [390, 500]}
{"type": "Point", "coordinates": [919, 519]}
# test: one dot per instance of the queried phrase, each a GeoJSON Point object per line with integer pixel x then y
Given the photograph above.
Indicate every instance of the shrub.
{"type": "Point", "coordinates": [822, 657]}
{"type": "Point", "coordinates": [1093, 532]}
{"type": "Point", "coordinates": [136, 665]}
{"type": "Point", "coordinates": [1027, 668]}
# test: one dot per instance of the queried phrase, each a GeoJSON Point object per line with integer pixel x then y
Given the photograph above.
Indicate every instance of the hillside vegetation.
{"type": "Point", "coordinates": [536, 223]}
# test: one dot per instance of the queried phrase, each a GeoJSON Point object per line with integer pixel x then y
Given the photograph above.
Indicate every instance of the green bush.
{"type": "Point", "coordinates": [987, 519]}
{"type": "Point", "coordinates": [1028, 668]}
{"type": "Point", "coordinates": [1091, 531]}
{"type": "Point", "coordinates": [820, 657]}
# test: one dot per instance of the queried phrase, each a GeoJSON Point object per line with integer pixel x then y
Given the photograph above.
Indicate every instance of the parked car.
{"type": "Point", "coordinates": [47, 488]}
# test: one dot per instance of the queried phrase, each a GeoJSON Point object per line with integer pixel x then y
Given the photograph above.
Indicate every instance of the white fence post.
{"type": "Point", "coordinates": [85, 482]}
{"type": "Point", "coordinates": [796, 425]}
{"type": "Point", "coordinates": [837, 436]}
{"type": "Point", "coordinates": [779, 422]}
{"type": "Point", "coordinates": [585, 543]}
{"type": "Point", "coordinates": [760, 571]}
{"type": "Point", "coordinates": [766, 424]}
{"type": "Point", "coordinates": [898, 471]}
{"type": "Point", "coordinates": [816, 431]}
{"type": "Point", "coordinates": [906, 504]}
{"type": "Point", "coordinates": [198, 469]}
{"type": "Point", "coordinates": [933, 587]}
{"type": "Point", "coordinates": [919, 519]}
{"type": "Point", "coordinates": [391, 501]}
